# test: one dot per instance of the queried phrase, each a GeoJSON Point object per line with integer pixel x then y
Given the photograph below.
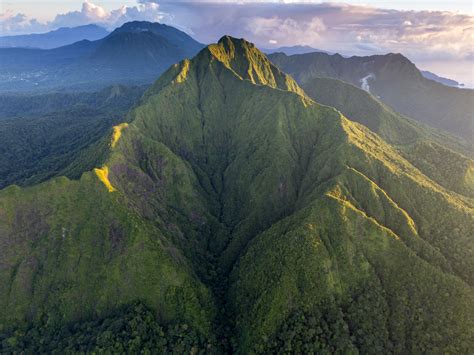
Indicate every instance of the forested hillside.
{"type": "Point", "coordinates": [42, 135]}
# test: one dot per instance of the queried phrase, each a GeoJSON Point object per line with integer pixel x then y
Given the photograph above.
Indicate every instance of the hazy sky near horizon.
{"type": "Point", "coordinates": [433, 33]}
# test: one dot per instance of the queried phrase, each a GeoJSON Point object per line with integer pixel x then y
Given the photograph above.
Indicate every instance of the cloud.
{"type": "Point", "coordinates": [280, 29]}
{"type": "Point", "coordinates": [89, 13]}
{"type": "Point", "coordinates": [14, 23]}
{"type": "Point", "coordinates": [348, 29]}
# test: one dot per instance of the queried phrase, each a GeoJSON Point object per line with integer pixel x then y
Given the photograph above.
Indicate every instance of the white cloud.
{"type": "Point", "coordinates": [14, 23]}
{"type": "Point", "coordinates": [90, 13]}
{"type": "Point", "coordinates": [281, 29]}
{"type": "Point", "coordinates": [331, 26]}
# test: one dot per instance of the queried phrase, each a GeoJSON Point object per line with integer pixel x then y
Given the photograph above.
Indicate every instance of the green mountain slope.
{"type": "Point", "coordinates": [263, 221]}
{"type": "Point", "coordinates": [444, 158]}
{"type": "Point", "coordinates": [396, 81]}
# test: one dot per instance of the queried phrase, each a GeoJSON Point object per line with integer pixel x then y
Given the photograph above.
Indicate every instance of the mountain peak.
{"type": "Point", "coordinates": [140, 26]}
{"type": "Point", "coordinates": [230, 41]}
{"type": "Point", "coordinates": [168, 32]}
{"type": "Point", "coordinates": [249, 63]}
{"type": "Point", "coordinates": [230, 50]}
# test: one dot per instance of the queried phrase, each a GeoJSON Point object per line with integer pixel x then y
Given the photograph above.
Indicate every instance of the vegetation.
{"type": "Point", "coordinates": [395, 81]}
{"type": "Point", "coordinates": [41, 135]}
{"type": "Point", "coordinates": [262, 220]}
{"type": "Point", "coordinates": [117, 98]}
{"type": "Point", "coordinates": [133, 329]}
{"type": "Point", "coordinates": [423, 146]}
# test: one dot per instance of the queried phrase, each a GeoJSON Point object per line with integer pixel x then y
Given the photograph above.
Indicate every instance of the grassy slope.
{"type": "Point", "coordinates": [444, 158]}
{"type": "Point", "coordinates": [217, 177]}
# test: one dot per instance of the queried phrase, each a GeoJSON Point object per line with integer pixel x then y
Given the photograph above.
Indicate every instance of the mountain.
{"type": "Point", "coordinates": [394, 80]}
{"type": "Point", "coordinates": [135, 53]}
{"type": "Point", "coordinates": [230, 212]}
{"type": "Point", "coordinates": [172, 34]}
{"type": "Point", "coordinates": [418, 143]}
{"type": "Point", "coordinates": [57, 38]}
{"type": "Point", "coordinates": [294, 50]}
{"type": "Point", "coordinates": [440, 79]}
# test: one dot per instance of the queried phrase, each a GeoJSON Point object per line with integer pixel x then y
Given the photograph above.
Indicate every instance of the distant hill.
{"type": "Point", "coordinates": [136, 53]}
{"type": "Point", "coordinates": [440, 79]}
{"type": "Point", "coordinates": [395, 81]}
{"type": "Point", "coordinates": [57, 38]}
{"type": "Point", "coordinates": [294, 50]}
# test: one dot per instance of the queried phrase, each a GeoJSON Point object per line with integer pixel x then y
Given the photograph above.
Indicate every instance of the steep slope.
{"type": "Point", "coordinates": [135, 53]}
{"type": "Point", "coordinates": [435, 151]}
{"type": "Point", "coordinates": [393, 79]}
{"type": "Point", "coordinates": [263, 220]}
{"type": "Point", "coordinates": [61, 37]}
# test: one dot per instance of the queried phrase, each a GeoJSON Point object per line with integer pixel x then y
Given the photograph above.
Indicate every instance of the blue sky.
{"type": "Point", "coordinates": [437, 35]}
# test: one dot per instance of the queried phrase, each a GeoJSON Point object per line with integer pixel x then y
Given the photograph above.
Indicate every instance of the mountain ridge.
{"type": "Point", "coordinates": [56, 38]}
{"type": "Point", "coordinates": [394, 80]}
{"type": "Point", "coordinates": [254, 215]}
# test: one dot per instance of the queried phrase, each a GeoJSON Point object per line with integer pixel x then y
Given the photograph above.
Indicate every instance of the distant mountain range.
{"type": "Point", "coordinates": [440, 79]}
{"type": "Point", "coordinates": [395, 81]}
{"type": "Point", "coordinates": [291, 50]}
{"type": "Point", "coordinates": [229, 212]}
{"type": "Point", "coordinates": [57, 38]}
{"type": "Point", "coordinates": [135, 53]}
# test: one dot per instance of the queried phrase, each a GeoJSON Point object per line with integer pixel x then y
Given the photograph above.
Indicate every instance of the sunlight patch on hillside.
{"type": "Point", "coordinates": [117, 133]}
{"type": "Point", "coordinates": [103, 175]}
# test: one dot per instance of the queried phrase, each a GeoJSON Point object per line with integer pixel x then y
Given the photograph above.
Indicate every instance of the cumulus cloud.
{"type": "Point", "coordinates": [89, 13]}
{"type": "Point", "coordinates": [280, 29]}
{"type": "Point", "coordinates": [339, 27]}
{"type": "Point", "coordinates": [13, 23]}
